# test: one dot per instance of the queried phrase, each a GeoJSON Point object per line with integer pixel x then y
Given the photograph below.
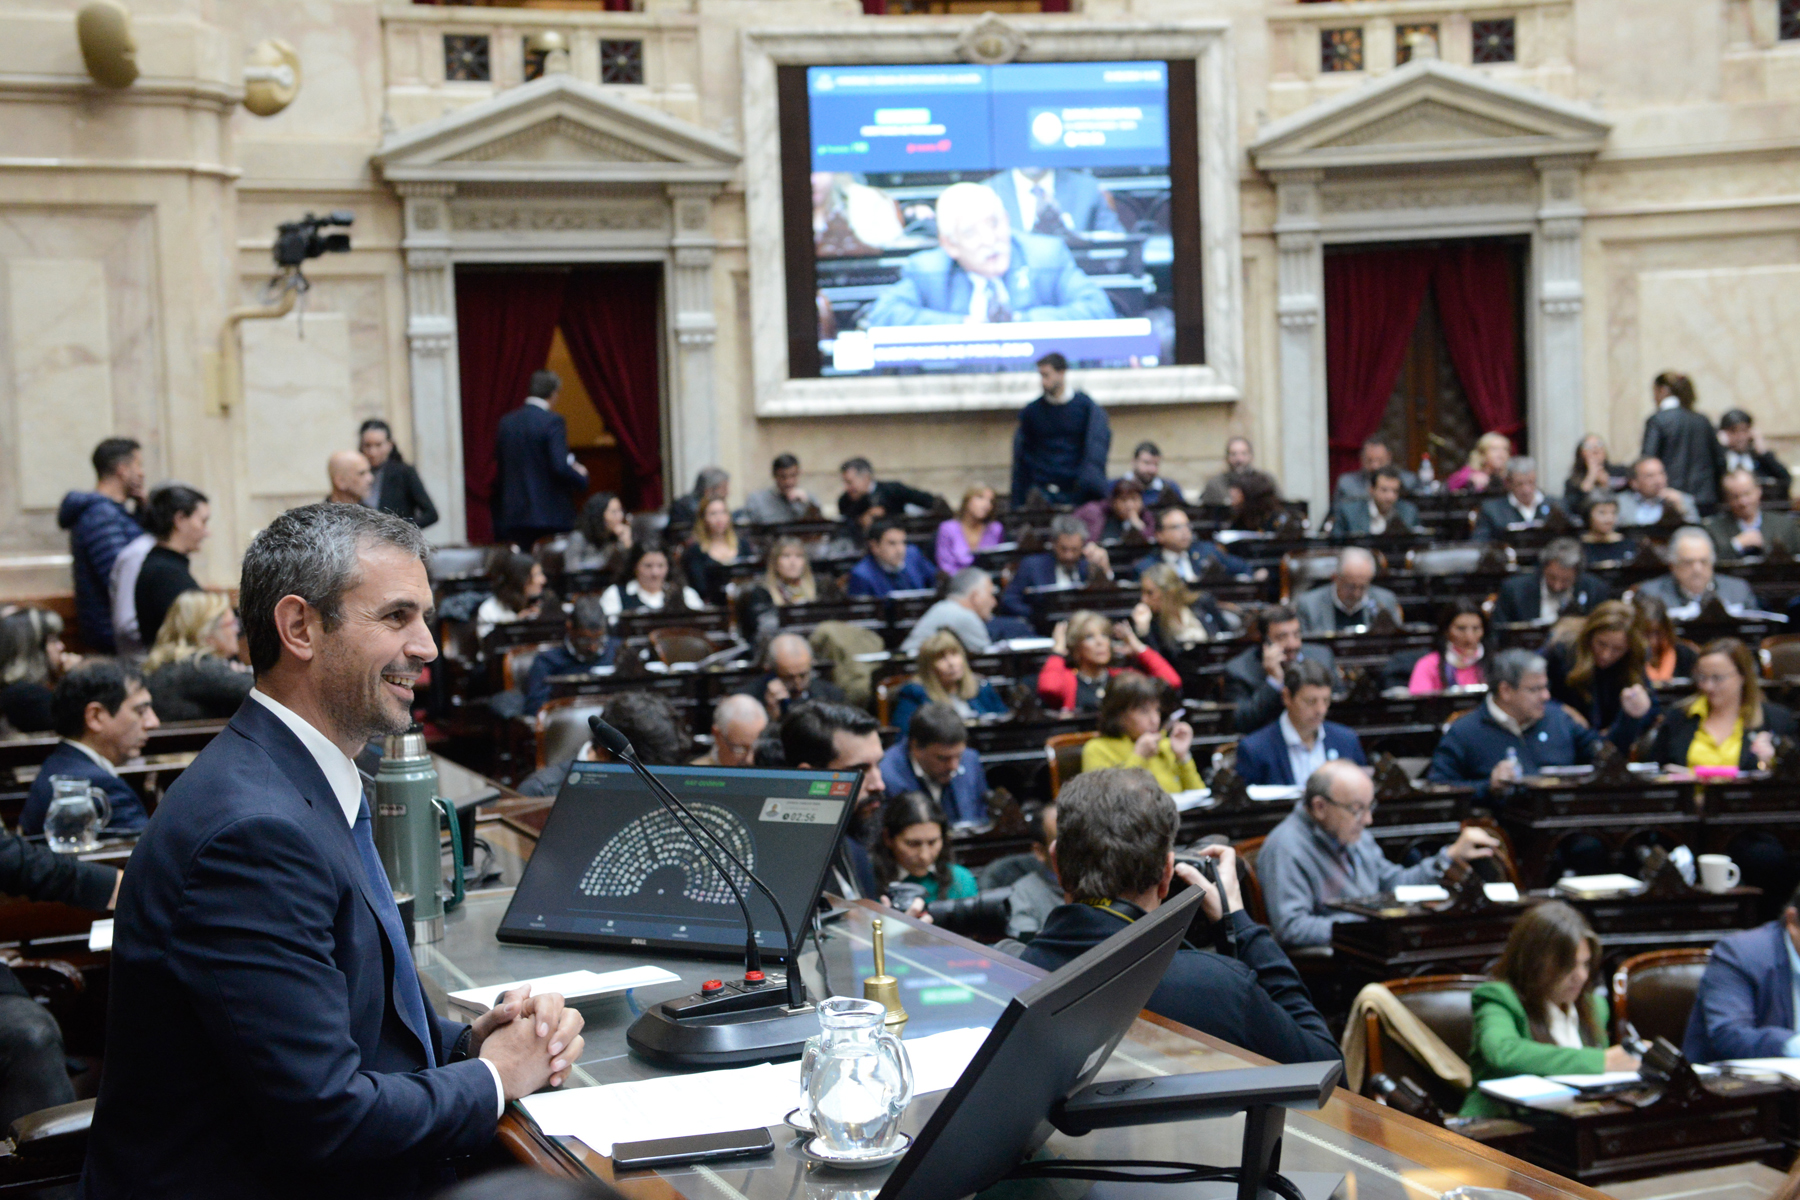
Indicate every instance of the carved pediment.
{"type": "Point", "coordinates": [559, 140]}
{"type": "Point", "coordinates": [1426, 122]}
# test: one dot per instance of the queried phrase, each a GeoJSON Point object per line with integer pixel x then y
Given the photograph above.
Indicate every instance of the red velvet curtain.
{"type": "Point", "coordinates": [610, 322]}
{"type": "Point", "coordinates": [1371, 305]}
{"type": "Point", "coordinates": [505, 321]}
{"type": "Point", "coordinates": [1474, 284]}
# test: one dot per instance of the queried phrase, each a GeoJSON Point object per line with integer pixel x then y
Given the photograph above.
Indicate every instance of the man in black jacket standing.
{"type": "Point", "coordinates": [1685, 442]}
{"type": "Point", "coordinates": [396, 487]}
{"type": "Point", "coordinates": [33, 1071]}
{"type": "Point", "coordinates": [535, 477]}
{"type": "Point", "coordinates": [1115, 855]}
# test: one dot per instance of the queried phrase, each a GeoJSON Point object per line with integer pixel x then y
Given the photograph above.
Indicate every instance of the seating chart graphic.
{"type": "Point", "coordinates": [656, 844]}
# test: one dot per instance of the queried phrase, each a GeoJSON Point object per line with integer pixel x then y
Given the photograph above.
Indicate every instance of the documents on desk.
{"type": "Point", "coordinates": [720, 1101]}
{"type": "Point", "coordinates": [100, 934]}
{"type": "Point", "coordinates": [1785, 1069]}
{"type": "Point", "coordinates": [1531, 1091]}
{"type": "Point", "coordinates": [1592, 887]}
{"type": "Point", "coordinates": [570, 985]}
{"type": "Point", "coordinates": [1426, 893]}
{"type": "Point", "coordinates": [1260, 793]}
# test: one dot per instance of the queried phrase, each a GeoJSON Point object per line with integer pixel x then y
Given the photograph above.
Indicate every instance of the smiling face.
{"type": "Point", "coordinates": [370, 664]}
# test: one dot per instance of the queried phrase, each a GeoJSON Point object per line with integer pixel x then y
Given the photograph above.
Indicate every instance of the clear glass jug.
{"type": "Point", "coordinates": [857, 1080]}
{"type": "Point", "coordinates": [77, 814]}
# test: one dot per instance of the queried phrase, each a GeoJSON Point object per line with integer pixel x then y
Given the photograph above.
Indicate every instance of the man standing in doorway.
{"type": "Point", "coordinates": [536, 478]}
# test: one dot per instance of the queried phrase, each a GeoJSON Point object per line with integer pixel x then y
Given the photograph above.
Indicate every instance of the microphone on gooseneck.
{"type": "Point", "coordinates": [619, 746]}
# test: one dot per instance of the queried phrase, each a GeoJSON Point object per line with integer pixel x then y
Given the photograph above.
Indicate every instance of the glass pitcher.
{"type": "Point", "coordinates": [77, 814]}
{"type": "Point", "coordinates": [857, 1080]}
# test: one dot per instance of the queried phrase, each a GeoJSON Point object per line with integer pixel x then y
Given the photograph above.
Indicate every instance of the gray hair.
{"type": "Point", "coordinates": [1355, 553]}
{"type": "Point", "coordinates": [1521, 464]}
{"type": "Point", "coordinates": [313, 552]}
{"type": "Point", "coordinates": [737, 707]}
{"type": "Point", "coordinates": [708, 479]}
{"type": "Point", "coordinates": [1693, 533]}
{"type": "Point", "coordinates": [1066, 525]}
{"type": "Point", "coordinates": [1564, 552]}
{"type": "Point", "coordinates": [1318, 784]}
{"type": "Point", "coordinates": [1511, 666]}
{"type": "Point", "coordinates": [1114, 830]}
{"type": "Point", "coordinates": [967, 581]}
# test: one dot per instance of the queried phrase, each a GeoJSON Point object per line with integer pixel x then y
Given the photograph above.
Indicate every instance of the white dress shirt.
{"type": "Point", "coordinates": [1181, 564]}
{"type": "Point", "coordinates": [346, 787]}
{"type": "Point", "coordinates": [1527, 512]}
{"type": "Point", "coordinates": [1739, 460]}
{"type": "Point", "coordinates": [104, 762]}
{"type": "Point", "coordinates": [1302, 760]}
{"type": "Point", "coordinates": [1377, 520]}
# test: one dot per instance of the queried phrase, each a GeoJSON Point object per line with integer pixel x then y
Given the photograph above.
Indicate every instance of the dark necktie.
{"type": "Point", "coordinates": [408, 997]}
{"type": "Point", "coordinates": [1049, 217]}
{"type": "Point", "coordinates": [997, 310]}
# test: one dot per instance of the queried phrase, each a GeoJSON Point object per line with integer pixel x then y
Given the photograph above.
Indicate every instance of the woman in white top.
{"type": "Point", "coordinates": [648, 587]}
{"type": "Point", "coordinates": [518, 592]}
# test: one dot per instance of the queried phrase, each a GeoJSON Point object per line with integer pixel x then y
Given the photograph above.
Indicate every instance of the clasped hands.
{"type": "Point", "coordinates": [533, 1040]}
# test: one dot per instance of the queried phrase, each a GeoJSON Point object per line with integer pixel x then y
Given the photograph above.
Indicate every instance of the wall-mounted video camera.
{"type": "Point", "coordinates": [310, 237]}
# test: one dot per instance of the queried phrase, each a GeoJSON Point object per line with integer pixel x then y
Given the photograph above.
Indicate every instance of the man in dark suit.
{"type": "Point", "coordinates": [535, 476]}
{"type": "Point", "coordinates": [103, 715]}
{"type": "Point", "coordinates": [981, 272]}
{"type": "Point", "coordinates": [790, 679]}
{"type": "Point", "coordinates": [1070, 562]}
{"type": "Point", "coordinates": [1744, 451]}
{"type": "Point", "coordinates": [867, 499]}
{"type": "Point", "coordinates": [1301, 740]}
{"type": "Point", "coordinates": [1376, 454]}
{"type": "Point", "coordinates": [934, 758]}
{"type": "Point", "coordinates": [1692, 577]}
{"type": "Point", "coordinates": [1558, 588]}
{"type": "Point", "coordinates": [1523, 504]}
{"type": "Point", "coordinates": [1060, 203]}
{"type": "Point", "coordinates": [1741, 529]}
{"type": "Point", "coordinates": [1254, 679]}
{"type": "Point", "coordinates": [268, 1033]}
{"type": "Point", "coordinates": [892, 564]}
{"type": "Point", "coordinates": [1175, 547]}
{"type": "Point", "coordinates": [1379, 513]}
{"type": "Point", "coordinates": [1745, 1005]}
{"type": "Point", "coordinates": [396, 487]}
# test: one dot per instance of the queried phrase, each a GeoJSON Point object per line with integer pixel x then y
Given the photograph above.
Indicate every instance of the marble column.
{"type": "Point", "coordinates": [1305, 461]}
{"type": "Point", "coordinates": [431, 340]}
{"type": "Point", "coordinates": [693, 438]}
{"type": "Point", "coordinates": [1556, 416]}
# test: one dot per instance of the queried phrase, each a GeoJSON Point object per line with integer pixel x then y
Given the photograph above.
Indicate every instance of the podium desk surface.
{"type": "Point", "coordinates": [949, 983]}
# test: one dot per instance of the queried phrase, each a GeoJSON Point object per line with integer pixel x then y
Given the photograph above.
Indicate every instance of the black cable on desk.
{"type": "Point", "coordinates": [1134, 1170]}
{"type": "Point", "coordinates": [819, 945]}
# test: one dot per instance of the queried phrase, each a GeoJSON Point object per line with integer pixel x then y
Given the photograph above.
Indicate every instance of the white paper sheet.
{"type": "Point", "coordinates": [1193, 798]}
{"type": "Point", "coordinates": [1787, 1067]}
{"type": "Point", "coordinates": [1272, 792]}
{"type": "Point", "coordinates": [1502, 893]}
{"type": "Point", "coordinates": [1425, 893]}
{"type": "Point", "coordinates": [1599, 885]}
{"type": "Point", "coordinates": [1533, 1091]}
{"type": "Point", "coordinates": [571, 985]}
{"type": "Point", "coordinates": [1604, 1079]}
{"type": "Point", "coordinates": [720, 1101]}
{"type": "Point", "coordinates": [100, 934]}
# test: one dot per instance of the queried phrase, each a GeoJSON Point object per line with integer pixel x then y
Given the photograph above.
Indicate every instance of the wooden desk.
{"type": "Point", "coordinates": [1620, 809]}
{"type": "Point", "coordinates": [1390, 1156]}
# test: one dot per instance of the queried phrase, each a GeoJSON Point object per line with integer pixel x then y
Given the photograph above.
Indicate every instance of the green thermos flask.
{"type": "Point", "coordinates": [407, 810]}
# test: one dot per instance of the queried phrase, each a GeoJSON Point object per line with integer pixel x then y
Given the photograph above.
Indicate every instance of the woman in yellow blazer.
{"type": "Point", "coordinates": [1130, 721]}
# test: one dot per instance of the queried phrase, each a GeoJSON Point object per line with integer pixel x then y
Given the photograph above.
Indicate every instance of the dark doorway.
{"type": "Point", "coordinates": [597, 327]}
{"type": "Point", "coordinates": [1425, 348]}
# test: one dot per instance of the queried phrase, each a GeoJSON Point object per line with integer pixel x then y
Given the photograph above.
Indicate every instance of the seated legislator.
{"type": "Point", "coordinates": [1350, 600]}
{"type": "Point", "coordinates": [983, 271]}
{"type": "Point", "coordinates": [944, 677]}
{"type": "Point", "coordinates": [1146, 472]}
{"type": "Point", "coordinates": [737, 722]}
{"type": "Point", "coordinates": [1070, 562]}
{"type": "Point", "coordinates": [1379, 513]}
{"type": "Point", "coordinates": [711, 552]}
{"type": "Point", "coordinates": [1115, 856]}
{"type": "Point", "coordinates": [1666, 656]}
{"type": "Point", "coordinates": [1302, 740]}
{"type": "Point", "coordinates": [784, 499]}
{"type": "Point", "coordinates": [966, 610]}
{"type": "Point", "coordinates": [915, 847]}
{"type": "Point", "coordinates": [1055, 202]}
{"type": "Point", "coordinates": [1460, 657]}
{"type": "Point", "coordinates": [1254, 679]}
{"type": "Point", "coordinates": [270, 1034]}
{"type": "Point", "coordinates": [1745, 451]}
{"type": "Point", "coordinates": [1648, 499]}
{"type": "Point", "coordinates": [1256, 507]}
{"type": "Point", "coordinates": [788, 678]}
{"type": "Point", "coordinates": [1560, 587]}
{"type": "Point", "coordinates": [1131, 735]}
{"type": "Point", "coordinates": [32, 659]}
{"type": "Point", "coordinates": [1377, 455]}
{"type": "Point", "coordinates": [1172, 617]}
{"type": "Point", "coordinates": [1120, 513]}
{"type": "Point", "coordinates": [973, 528]}
{"type": "Point", "coordinates": [836, 737]}
{"type": "Point", "coordinates": [519, 592]}
{"type": "Point", "coordinates": [1176, 549]}
{"type": "Point", "coordinates": [1320, 852]}
{"type": "Point", "coordinates": [601, 538]}
{"type": "Point", "coordinates": [103, 714]}
{"type": "Point", "coordinates": [1745, 1005]}
{"type": "Point", "coordinates": [891, 565]}
{"type": "Point", "coordinates": [1485, 469]}
{"type": "Point", "coordinates": [1691, 578]}
{"type": "Point", "coordinates": [1523, 504]}
{"type": "Point", "coordinates": [193, 671]}
{"type": "Point", "coordinates": [710, 483]}
{"type": "Point", "coordinates": [1061, 442]}
{"type": "Point", "coordinates": [1603, 545]}
{"type": "Point", "coordinates": [1539, 1015]}
{"type": "Point", "coordinates": [866, 500]}
{"type": "Point", "coordinates": [648, 585]}
{"type": "Point", "coordinates": [585, 649]}
{"type": "Point", "coordinates": [1035, 891]}
{"type": "Point", "coordinates": [787, 579]}
{"type": "Point", "coordinates": [1240, 457]}
{"type": "Point", "coordinates": [1517, 717]}
{"type": "Point", "coordinates": [934, 759]}
{"type": "Point", "coordinates": [1080, 667]}
{"type": "Point", "coordinates": [1592, 673]}
{"type": "Point", "coordinates": [1592, 474]}
{"type": "Point", "coordinates": [1728, 722]}
{"type": "Point", "coordinates": [1741, 529]}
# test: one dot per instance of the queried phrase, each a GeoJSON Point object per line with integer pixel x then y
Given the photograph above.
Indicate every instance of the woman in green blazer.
{"type": "Point", "coordinates": [1539, 1017]}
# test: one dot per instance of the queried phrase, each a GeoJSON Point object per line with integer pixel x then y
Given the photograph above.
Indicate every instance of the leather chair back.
{"type": "Point", "coordinates": [562, 728]}
{"type": "Point", "coordinates": [1442, 1003]}
{"type": "Point", "coordinates": [885, 693]}
{"type": "Point", "coordinates": [679, 645]}
{"type": "Point", "coordinates": [1064, 752]}
{"type": "Point", "coordinates": [1655, 991]}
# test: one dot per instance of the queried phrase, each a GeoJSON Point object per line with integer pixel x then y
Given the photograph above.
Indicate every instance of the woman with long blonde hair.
{"type": "Point", "coordinates": [945, 677]}
{"type": "Point", "coordinates": [1486, 467]}
{"type": "Point", "coordinates": [1172, 617]}
{"type": "Point", "coordinates": [973, 528]}
{"type": "Point", "coordinates": [193, 672]}
{"type": "Point", "coordinates": [1606, 659]}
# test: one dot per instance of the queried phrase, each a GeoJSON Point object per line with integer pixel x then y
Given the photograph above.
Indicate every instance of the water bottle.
{"type": "Point", "coordinates": [1427, 473]}
{"type": "Point", "coordinates": [406, 833]}
{"type": "Point", "coordinates": [1512, 756]}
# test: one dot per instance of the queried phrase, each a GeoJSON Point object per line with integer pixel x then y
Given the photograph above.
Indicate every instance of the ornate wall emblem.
{"type": "Point", "coordinates": [992, 39]}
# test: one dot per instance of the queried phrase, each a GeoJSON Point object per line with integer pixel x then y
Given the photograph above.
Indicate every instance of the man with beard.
{"type": "Point", "coordinates": [268, 1033]}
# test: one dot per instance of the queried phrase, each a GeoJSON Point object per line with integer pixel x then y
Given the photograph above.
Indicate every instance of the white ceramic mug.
{"type": "Point", "coordinates": [1718, 873]}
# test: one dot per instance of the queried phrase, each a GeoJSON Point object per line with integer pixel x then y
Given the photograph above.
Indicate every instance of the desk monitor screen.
{"type": "Point", "coordinates": [1051, 1040]}
{"type": "Point", "coordinates": [614, 868]}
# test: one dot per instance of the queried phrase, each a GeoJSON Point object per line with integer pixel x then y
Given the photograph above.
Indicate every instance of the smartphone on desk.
{"type": "Point", "coordinates": [679, 1151]}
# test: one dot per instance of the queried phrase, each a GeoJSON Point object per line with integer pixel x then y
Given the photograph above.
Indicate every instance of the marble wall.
{"type": "Point", "coordinates": [297, 403]}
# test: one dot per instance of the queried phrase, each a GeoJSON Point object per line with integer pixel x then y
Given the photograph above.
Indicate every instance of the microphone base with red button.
{"type": "Point", "coordinates": [724, 1024]}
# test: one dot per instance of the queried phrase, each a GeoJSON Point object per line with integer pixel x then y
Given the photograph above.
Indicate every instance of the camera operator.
{"type": "Point", "coordinates": [1115, 854]}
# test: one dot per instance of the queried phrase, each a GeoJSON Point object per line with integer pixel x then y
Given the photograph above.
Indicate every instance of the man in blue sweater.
{"type": "Point", "coordinates": [1517, 732]}
{"type": "Point", "coordinates": [1061, 444]}
{"type": "Point", "coordinates": [1115, 855]}
{"type": "Point", "coordinates": [585, 650]}
{"type": "Point", "coordinates": [99, 527]}
{"type": "Point", "coordinates": [104, 716]}
{"type": "Point", "coordinates": [891, 565]}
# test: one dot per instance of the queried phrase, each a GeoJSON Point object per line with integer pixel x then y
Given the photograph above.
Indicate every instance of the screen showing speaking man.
{"type": "Point", "coordinates": [972, 218]}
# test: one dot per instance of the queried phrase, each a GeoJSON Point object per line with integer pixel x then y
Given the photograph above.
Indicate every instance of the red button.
{"type": "Point", "coordinates": [711, 986]}
{"type": "Point", "coordinates": [753, 977]}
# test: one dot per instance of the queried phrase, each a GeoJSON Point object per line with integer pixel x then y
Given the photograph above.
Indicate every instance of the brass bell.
{"type": "Point", "coordinates": [882, 987]}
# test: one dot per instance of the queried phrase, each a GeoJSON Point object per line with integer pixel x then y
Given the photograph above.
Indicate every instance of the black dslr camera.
{"type": "Point", "coordinates": [297, 241]}
{"type": "Point", "coordinates": [982, 918]}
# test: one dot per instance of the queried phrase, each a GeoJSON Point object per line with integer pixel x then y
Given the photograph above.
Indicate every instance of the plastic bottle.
{"type": "Point", "coordinates": [1427, 473]}
{"type": "Point", "coordinates": [1512, 756]}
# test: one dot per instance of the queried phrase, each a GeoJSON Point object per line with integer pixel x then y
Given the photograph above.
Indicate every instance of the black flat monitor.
{"type": "Point", "coordinates": [1051, 1041]}
{"type": "Point", "coordinates": [615, 869]}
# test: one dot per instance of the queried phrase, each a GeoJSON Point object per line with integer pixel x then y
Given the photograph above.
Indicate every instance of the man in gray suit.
{"type": "Point", "coordinates": [1349, 600]}
{"type": "Point", "coordinates": [1376, 454]}
{"type": "Point", "coordinates": [1059, 203]}
{"type": "Point", "coordinates": [1690, 579]}
{"type": "Point", "coordinates": [1742, 529]}
{"type": "Point", "coordinates": [1382, 513]}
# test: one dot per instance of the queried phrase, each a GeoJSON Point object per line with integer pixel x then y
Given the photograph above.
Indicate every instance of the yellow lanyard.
{"type": "Point", "coordinates": [1107, 906]}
